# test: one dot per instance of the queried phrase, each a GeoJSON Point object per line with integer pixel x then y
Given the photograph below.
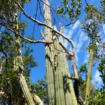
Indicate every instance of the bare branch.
{"type": "Point", "coordinates": [40, 23]}
{"type": "Point", "coordinates": [73, 78]}
{"type": "Point", "coordinates": [65, 49]}
{"type": "Point", "coordinates": [87, 4]}
{"type": "Point", "coordinates": [29, 40]}
{"type": "Point", "coordinates": [71, 22]}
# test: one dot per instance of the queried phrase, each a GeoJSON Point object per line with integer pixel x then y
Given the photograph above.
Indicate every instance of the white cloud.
{"type": "Point", "coordinates": [85, 38]}
{"type": "Point", "coordinates": [65, 31]}
{"type": "Point", "coordinates": [79, 45]}
{"type": "Point", "coordinates": [76, 25]}
{"type": "Point", "coordinates": [68, 33]}
{"type": "Point", "coordinates": [65, 43]}
{"type": "Point", "coordinates": [78, 39]}
{"type": "Point", "coordinates": [86, 57]}
{"type": "Point", "coordinates": [77, 49]}
{"type": "Point", "coordinates": [81, 35]}
{"type": "Point", "coordinates": [75, 43]}
{"type": "Point", "coordinates": [103, 40]}
{"type": "Point", "coordinates": [90, 20]}
{"type": "Point", "coordinates": [104, 28]}
{"type": "Point", "coordinates": [97, 78]}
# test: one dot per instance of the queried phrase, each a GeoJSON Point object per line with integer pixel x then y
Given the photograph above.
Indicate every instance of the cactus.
{"type": "Point", "coordinates": [49, 56]}
{"type": "Point", "coordinates": [60, 88]}
{"type": "Point", "coordinates": [19, 66]}
{"type": "Point", "coordinates": [59, 91]}
{"type": "Point", "coordinates": [65, 70]}
{"type": "Point", "coordinates": [89, 77]}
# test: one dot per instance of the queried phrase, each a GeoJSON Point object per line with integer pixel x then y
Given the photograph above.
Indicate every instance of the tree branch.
{"type": "Point", "coordinates": [40, 23]}
{"type": "Point", "coordinates": [73, 78]}
{"type": "Point", "coordinates": [29, 40]}
{"type": "Point", "coordinates": [54, 30]}
{"type": "Point", "coordinates": [65, 49]}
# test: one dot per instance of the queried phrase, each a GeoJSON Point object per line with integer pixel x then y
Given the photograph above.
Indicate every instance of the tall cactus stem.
{"type": "Point", "coordinates": [19, 64]}
{"type": "Point", "coordinates": [49, 55]}
{"type": "Point", "coordinates": [89, 77]}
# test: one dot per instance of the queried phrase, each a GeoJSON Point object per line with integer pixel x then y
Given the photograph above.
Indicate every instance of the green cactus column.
{"type": "Point", "coordinates": [19, 66]}
{"type": "Point", "coordinates": [89, 76]}
{"type": "Point", "coordinates": [64, 71]}
{"type": "Point", "coordinates": [59, 91]}
{"type": "Point", "coordinates": [69, 94]}
{"type": "Point", "coordinates": [48, 55]}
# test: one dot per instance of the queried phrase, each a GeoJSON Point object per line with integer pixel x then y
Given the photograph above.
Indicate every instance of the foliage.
{"type": "Point", "coordinates": [82, 72]}
{"type": "Point", "coordinates": [70, 8]}
{"type": "Point", "coordinates": [13, 86]}
{"type": "Point", "coordinates": [101, 69]}
{"type": "Point", "coordinates": [41, 90]}
{"type": "Point", "coordinates": [93, 24]}
{"type": "Point", "coordinates": [9, 81]}
{"type": "Point", "coordinates": [98, 98]}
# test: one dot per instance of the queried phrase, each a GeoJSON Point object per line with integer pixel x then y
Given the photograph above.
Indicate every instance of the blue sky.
{"type": "Point", "coordinates": [73, 32]}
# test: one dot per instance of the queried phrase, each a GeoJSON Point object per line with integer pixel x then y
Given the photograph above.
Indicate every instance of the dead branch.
{"type": "Point", "coordinates": [29, 40]}
{"type": "Point", "coordinates": [73, 78]}
{"type": "Point", "coordinates": [40, 23]}
{"type": "Point", "coordinates": [55, 31]}
{"type": "Point", "coordinates": [65, 49]}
